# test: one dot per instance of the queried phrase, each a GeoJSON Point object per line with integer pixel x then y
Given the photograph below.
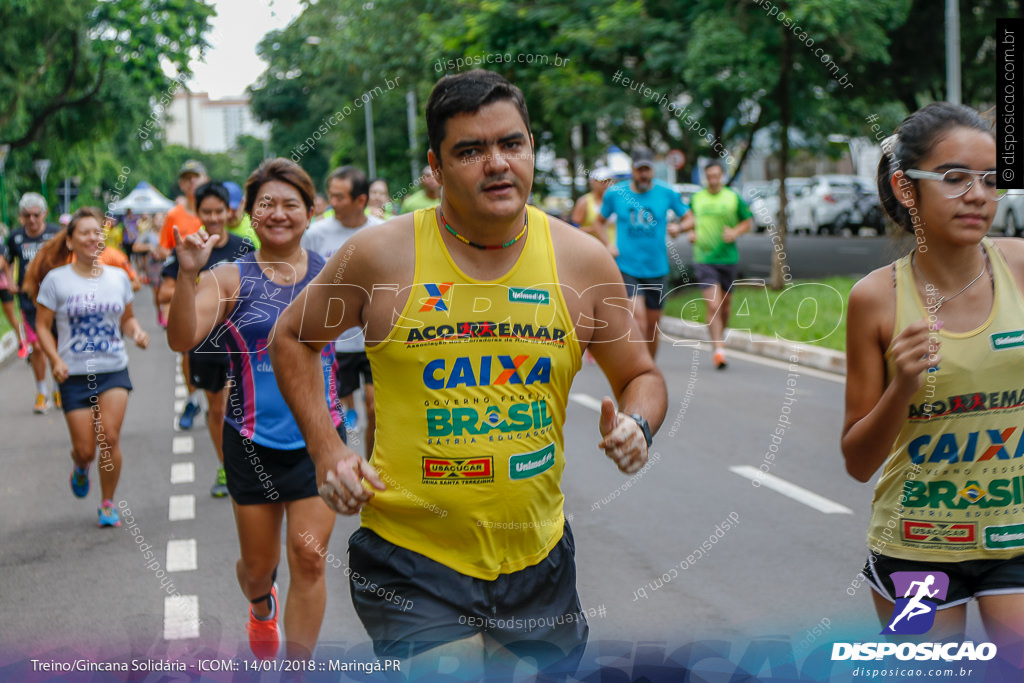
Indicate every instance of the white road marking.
{"type": "Point", "coordinates": [586, 401]}
{"type": "Point", "coordinates": [181, 391]}
{"type": "Point", "coordinates": [183, 444]}
{"type": "Point", "coordinates": [181, 617]}
{"type": "Point", "coordinates": [181, 555]}
{"type": "Point", "coordinates": [181, 507]}
{"type": "Point", "coordinates": [179, 406]}
{"type": "Point", "coordinates": [183, 473]}
{"type": "Point", "coordinates": [797, 493]}
{"type": "Point", "coordinates": [179, 379]}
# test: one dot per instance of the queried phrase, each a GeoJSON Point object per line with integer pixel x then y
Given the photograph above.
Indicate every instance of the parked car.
{"type": "Point", "coordinates": [1009, 218]}
{"type": "Point", "coordinates": [818, 205]}
{"type": "Point", "coordinates": [754, 189]}
{"type": "Point", "coordinates": [765, 205]}
{"type": "Point", "coordinates": [864, 210]}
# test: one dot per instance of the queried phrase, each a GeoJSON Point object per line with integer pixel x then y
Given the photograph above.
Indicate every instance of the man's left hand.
{"type": "Point", "coordinates": [623, 440]}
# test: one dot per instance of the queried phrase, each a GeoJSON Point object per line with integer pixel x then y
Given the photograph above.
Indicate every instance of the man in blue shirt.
{"type": "Point", "coordinates": [641, 207]}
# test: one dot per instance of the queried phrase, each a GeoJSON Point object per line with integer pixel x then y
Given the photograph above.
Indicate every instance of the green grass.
{"type": "Point", "coordinates": [4, 325]}
{"type": "Point", "coordinates": [808, 311]}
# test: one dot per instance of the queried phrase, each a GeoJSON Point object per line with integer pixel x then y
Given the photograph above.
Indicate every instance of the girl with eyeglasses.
{"type": "Point", "coordinates": [935, 388]}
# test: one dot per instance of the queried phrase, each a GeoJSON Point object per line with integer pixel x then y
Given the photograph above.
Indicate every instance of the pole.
{"type": "Point", "coordinates": [410, 113]}
{"type": "Point", "coordinates": [371, 154]}
{"type": "Point", "coordinates": [953, 51]}
{"type": "Point", "coordinates": [67, 195]}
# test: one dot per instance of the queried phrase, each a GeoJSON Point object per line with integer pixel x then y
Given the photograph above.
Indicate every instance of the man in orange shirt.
{"type": "Point", "coordinates": [191, 176]}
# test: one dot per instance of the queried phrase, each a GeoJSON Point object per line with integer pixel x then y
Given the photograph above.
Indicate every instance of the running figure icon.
{"type": "Point", "coordinates": [915, 607]}
{"type": "Point", "coordinates": [922, 593]}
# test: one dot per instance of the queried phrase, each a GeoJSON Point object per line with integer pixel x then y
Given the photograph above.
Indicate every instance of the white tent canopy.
{"type": "Point", "coordinates": [143, 199]}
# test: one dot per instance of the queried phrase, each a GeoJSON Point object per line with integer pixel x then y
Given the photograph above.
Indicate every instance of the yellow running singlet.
{"type": "Point", "coordinates": [952, 488]}
{"type": "Point", "coordinates": [471, 387]}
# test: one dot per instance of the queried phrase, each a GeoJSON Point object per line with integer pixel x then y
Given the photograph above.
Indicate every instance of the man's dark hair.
{"type": "Point", "coordinates": [213, 189]}
{"type": "Point", "coordinates": [355, 177]}
{"type": "Point", "coordinates": [715, 162]}
{"type": "Point", "coordinates": [466, 93]}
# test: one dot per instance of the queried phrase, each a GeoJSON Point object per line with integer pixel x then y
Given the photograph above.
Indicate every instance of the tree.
{"type": "Point", "coordinates": [90, 61]}
{"type": "Point", "coordinates": [78, 78]}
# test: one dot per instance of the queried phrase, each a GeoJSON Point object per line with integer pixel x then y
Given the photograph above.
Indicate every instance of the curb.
{"type": "Point", "coordinates": [827, 360]}
{"type": "Point", "coordinates": [8, 349]}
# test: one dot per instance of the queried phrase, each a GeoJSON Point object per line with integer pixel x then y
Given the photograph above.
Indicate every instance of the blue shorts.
{"type": "Point", "coordinates": [967, 578]}
{"type": "Point", "coordinates": [652, 289]}
{"type": "Point", "coordinates": [83, 391]}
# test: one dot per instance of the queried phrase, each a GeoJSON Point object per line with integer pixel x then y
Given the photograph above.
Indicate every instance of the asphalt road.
{"type": "Point", "coordinates": [685, 551]}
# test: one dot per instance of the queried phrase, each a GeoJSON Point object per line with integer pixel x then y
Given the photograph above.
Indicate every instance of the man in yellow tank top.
{"type": "Point", "coordinates": [476, 314]}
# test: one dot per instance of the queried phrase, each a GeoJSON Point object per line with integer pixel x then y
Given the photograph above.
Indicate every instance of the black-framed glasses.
{"type": "Point", "coordinates": [956, 182]}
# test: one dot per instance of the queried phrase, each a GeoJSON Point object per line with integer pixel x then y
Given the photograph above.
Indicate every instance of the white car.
{"type": "Point", "coordinates": [1009, 218]}
{"type": "Point", "coordinates": [816, 206]}
{"type": "Point", "coordinates": [765, 203]}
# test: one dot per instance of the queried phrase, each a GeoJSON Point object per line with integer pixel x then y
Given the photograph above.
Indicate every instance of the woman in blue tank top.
{"type": "Point", "coordinates": [270, 475]}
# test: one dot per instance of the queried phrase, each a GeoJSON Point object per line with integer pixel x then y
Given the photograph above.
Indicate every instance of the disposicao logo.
{"type": "Point", "coordinates": [914, 614]}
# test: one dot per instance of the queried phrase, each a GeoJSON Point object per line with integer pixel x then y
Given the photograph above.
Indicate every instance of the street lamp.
{"type": "Point", "coordinates": [4, 150]}
{"type": "Point", "coordinates": [42, 166]}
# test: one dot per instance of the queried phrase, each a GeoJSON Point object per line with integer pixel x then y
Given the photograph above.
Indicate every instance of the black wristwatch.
{"type": "Point", "coordinates": [646, 428]}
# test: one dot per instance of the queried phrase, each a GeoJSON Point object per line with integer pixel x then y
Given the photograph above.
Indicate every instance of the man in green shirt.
{"type": "Point", "coordinates": [427, 197]}
{"type": "Point", "coordinates": [717, 216]}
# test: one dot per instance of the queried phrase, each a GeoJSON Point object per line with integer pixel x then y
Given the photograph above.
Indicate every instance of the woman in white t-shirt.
{"type": "Point", "coordinates": [92, 307]}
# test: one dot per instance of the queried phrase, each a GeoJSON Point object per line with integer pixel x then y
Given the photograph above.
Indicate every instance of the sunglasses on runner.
{"type": "Point", "coordinates": [956, 182]}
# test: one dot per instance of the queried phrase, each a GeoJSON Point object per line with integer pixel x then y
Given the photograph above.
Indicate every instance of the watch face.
{"type": "Point", "coordinates": [646, 428]}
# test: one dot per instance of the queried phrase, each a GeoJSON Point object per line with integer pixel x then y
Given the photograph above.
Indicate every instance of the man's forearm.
{"type": "Point", "coordinates": [646, 394]}
{"type": "Point", "coordinates": [300, 378]}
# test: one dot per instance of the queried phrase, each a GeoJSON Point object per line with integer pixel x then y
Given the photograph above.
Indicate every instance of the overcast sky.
{"type": "Point", "coordinates": [231, 63]}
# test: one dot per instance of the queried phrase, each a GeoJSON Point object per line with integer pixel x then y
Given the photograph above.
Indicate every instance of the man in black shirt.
{"type": "Point", "coordinates": [21, 247]}
{"type": "Point", "coordinates": [208, 367]}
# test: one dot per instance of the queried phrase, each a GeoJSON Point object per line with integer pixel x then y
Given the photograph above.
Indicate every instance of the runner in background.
{"type": "Point", "coordinates": [379, 204]}
{"type": "Point", "coordinates": [208, 366]}
{"type": "Point", "coordinates": [92, 307]}
{"type": "Point", "coordinates": [191, 175]}
{"type": "Point", "coordinates": [22, 246]}
{"type": "Point", "coordinates": [6, 298]}
{"type": "Point", "coordinates": [347, 190]}
{"type": "Point", "coordinates": [238, 220]}
{"type": "Point", "coordinates": [716, 218]}
{"type": "Point", "coordinates": [147, 248]}
{"type": "Point", "coordinates": [641, 207]}
{"type": "Point", "coordinates": [427, 197]}
{"type": "Point", "coordinates": [270, 476]}
{"type": "Point", "coordinates": [588, 207]}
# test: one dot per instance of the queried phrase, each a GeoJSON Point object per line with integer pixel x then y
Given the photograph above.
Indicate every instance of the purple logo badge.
{"type": "Point", "coordinates": [914, 612]}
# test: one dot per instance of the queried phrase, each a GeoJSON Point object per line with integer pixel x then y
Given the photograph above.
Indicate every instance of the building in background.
{"type": "Point", "coordinates": [198, 122]}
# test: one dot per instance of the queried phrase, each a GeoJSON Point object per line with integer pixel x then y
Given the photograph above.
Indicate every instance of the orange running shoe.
{"type": "Point", "coordinates": [719, 359]}
{"type": "Point", "coordinates": [264, 638]}
{"type": "Point", "coordinates": [42, 405]}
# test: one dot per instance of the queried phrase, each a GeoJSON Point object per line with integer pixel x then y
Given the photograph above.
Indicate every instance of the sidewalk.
{"type": "Point", "coordinates": [769, 347]}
